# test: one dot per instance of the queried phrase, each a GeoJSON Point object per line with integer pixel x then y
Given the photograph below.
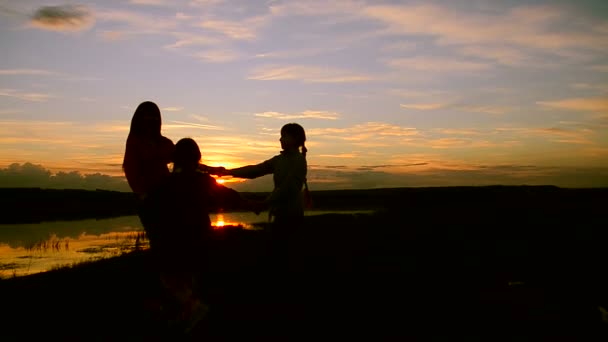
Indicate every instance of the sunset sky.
{"type": "Point", "coordinates": [391, 93]}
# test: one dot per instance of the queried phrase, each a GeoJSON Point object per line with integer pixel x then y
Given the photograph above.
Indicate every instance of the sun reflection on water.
{"type": "Point", "coordinates": [56, 252]}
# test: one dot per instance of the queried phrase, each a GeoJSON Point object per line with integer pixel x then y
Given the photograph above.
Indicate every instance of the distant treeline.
{"type": "Point", "coordinates": [20, 205]}
{"type": "Point", "coordinates": [28, 205]}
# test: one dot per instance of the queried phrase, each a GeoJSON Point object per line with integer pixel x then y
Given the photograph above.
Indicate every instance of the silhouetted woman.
{"type": "Point", "coordinates": [147, 157]}
{"type": "Point", "coordinates": [147, 152]}
{"type": "Point", "coordinates": [289, 169]}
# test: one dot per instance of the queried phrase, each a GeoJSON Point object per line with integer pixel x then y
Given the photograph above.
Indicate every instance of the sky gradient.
{"type": "Point", "coordinates": [390, 93]}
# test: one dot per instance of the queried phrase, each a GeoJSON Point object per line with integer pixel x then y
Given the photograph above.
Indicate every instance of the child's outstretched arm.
{"type": "Point", "coordinates": [253, 171]}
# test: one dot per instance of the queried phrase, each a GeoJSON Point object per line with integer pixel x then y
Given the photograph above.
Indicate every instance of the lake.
{"type": "Point", "coordinates": [39, 247]}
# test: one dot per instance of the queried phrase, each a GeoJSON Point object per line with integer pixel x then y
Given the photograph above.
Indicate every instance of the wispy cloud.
{"type": "Point", "coordinates": [316, 8]}
{"type": "Point", "coordinates": [308, 74]}
{"type": "Point", "coordinates": [569, 136]}
{"type": "Point", "coordinates": [494, 34]}
{"type": "Point", "coordinates": [63, 18]}
{"type": "Point", "coordinates": [423, 106]}
{"type": "Point", "coordinates": [600, 68]}
{"type": "Point", "coordinates": [182, 124]}
{"type": "Point", "coordinates": [299, 53]}
{"type": "Point", "coordinates": [217, 56]}
{"type": "Point", "coordinates": [341, 155]}
{"type": "Point", "coordinates": [370, 131]}
{"type": "Point", "coordinates": [238, 30]}
{"type": "Point", "coordinates": [436, 64]}
{"type": "Point", "coordinates": [173, 109]}
{"type": "Point", "coordinates": [500, 54]}
{"type": "Point", "coordinates": [596, 104]}
{"type": "Point", "coordinates": [112, 35]}
{"type": "Point", "coordinates": [485, 109]}
{"type": "Point", "coordinates": [10, 111]}
{"type": "Point", "coordinates": [204, 3]}
{"type": "Point", "coordinates": [138, 23]}
{"type": "Point", "coordinates": [33, 72]}
{"type": "Point", "coordinates": [26, 96]}
{"type": "Point", "coordinates": [307, 114]}
{"type": "Point", "coordinates": [188, 39]}
{"type": "Point", "coordinates": [162, 3]}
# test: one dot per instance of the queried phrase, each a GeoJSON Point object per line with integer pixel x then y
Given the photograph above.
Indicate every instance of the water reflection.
{"type": "Point", "coordinates": [56, 251]}
{"type": "Point", "coordinates": [33, 248]}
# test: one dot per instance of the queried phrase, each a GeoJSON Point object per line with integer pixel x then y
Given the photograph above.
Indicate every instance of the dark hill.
{"type": "Point", "coordinates": [496, 263]}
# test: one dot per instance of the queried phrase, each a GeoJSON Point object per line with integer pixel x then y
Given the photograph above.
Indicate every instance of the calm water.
{"type": "Point", "coordinates": [33, 248]}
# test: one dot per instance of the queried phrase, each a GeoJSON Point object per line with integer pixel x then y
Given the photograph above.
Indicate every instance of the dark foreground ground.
{"type": "Point", "coordinates": [495, 263]}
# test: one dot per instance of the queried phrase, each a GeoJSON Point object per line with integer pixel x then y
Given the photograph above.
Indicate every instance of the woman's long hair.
{"type": "Point", "coordinates": [146, 120]}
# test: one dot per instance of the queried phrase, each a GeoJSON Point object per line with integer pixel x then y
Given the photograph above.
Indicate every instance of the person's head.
{"type": "Point", "coordinates": [187, 155]}
{"type": "Point", "coordinates": [146, 120]}
{"type": "Point", "coordinates": [292, 137]}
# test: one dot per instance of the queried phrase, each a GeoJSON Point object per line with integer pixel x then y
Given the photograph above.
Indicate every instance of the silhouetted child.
{"type": "Point", "coordinates": [286, 202]}
{"type": "Point", "coordinates": [180, 214]}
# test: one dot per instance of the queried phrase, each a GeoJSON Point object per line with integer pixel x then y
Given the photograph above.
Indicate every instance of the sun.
{"type": "Point", "coordinates": [220, 181]}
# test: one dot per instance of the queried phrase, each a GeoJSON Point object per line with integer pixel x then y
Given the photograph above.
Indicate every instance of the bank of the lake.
{"type": "Point", "coordinates": [493, 263]}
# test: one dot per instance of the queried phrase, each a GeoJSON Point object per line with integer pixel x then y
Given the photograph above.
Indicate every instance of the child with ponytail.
{"type": "Point", "coordinates": [286, 203]}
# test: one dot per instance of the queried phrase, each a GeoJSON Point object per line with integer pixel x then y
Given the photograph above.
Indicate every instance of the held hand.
{"type": "Point", "coordinates": [218, 171]}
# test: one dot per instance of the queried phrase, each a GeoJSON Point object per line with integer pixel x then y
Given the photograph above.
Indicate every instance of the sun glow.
{"type": "Point", "coordinates": [220, 222]}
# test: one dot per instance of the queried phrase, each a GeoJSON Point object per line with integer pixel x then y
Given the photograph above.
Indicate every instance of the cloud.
{"type": "Point", "coordinates": [423, 106]}
{"type": "Point", "coordinates": [81, 145]}
{"type": "Point", "coordinates": [341, 155]}
{"type": "Point", "coordinates": [204, 3]}
{"type": "Point", "coordinates": [28, 72]}
{"type": "Point", "coordinates": [464, 175]}
{"type": "Point", "coordinates": [112, 35]}
{"type": "Point", "coordinates": [32, 97]}
{"type": "Point", "coordinates": [161, 3]}
{"type": "Point", "coordinates": [31, 175]}
{"type": "Point", "coordinates": [138, 23]}
{"type": "Point", "coordinates": [187, 39]}
{"type": "Point", "coordinates": [298, 53]}
{"type": "Point", "coordinates": [602, 88]}
{"type": "Point", "coordinates": [181, 124]}
{"type": "Point", "coordinates": [500, 54]}
{"type": "Point", "coordinates": [307, 74]}
{"type": "Point", "coordinates": [316, 8]}
{"type": "Point", "coordinates": [10, 111]}
{"type": "Point", "coordinates": [452, 131]}
{"type": "Point", "coordinates": [597, 104]}
{"type": "Point", "coordinates": [600, 68]}
{"type": "Point", "coordinates": [495, 110]}
{"type": "Point", "coordinates": [436, 64]}
{"type": "Point", "coordinates": [307, 114]}
{"type": "Point", "coordinates": [580, 136]}
{"type": "Point", "coordinates": [217, 56]}
{"type": "Point", "coordinates": [63, 18]}
{"type": "Point", "coordinates": [526, 25]}
{"type": "Point", "coordinates": [173, 109]}
{"type": "Point", "coordinates": [373, 135]}
{"type": "Point", "coordinates": [239, 30]}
